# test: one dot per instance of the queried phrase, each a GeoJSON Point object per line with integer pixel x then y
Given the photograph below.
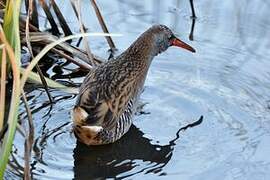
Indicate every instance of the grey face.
{"type": "Point", "coordinates": [162, 38]}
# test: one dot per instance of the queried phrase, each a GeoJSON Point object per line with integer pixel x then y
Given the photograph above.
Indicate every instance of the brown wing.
{"type": "Point", "coordinates": [92, 107]}
{"type": "Point", "coordinates": [104, 95]}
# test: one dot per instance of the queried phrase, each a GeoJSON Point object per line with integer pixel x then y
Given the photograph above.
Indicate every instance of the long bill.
{"type": "Point", "coordinates": [177, 42]}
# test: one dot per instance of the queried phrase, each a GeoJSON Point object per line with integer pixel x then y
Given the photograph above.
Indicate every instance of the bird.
{"type": "Point", "coordinates": [109, 94]}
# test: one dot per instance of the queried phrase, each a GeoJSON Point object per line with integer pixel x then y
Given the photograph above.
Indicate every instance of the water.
{"type": "Point", "coordinates": [227, 81]}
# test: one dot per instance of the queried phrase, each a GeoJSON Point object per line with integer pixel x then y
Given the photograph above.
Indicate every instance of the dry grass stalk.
{"type": "Point", "coordinates": [43, 38]}
{"type": "Point", "coordinates": [71, 59]}
{"type": "Point", "coordinates": [76, 13]}
{"type": "Point", "coordinates": [103, 25]}
{"type": "Point", "coordinates": [32, 28]}
{"type": "Point", "coordinates": [61, 19]}
{"type": "Point", "coordinates": [3, 87]}
{"type": "Point", "coordinates": [48, 47]}
{"type": "Point", "coordinates": [30, 31]}
{"type": "Point", "coordinates": [34, 13]}
{"type": "Point", "coordinates": [14, 105]}
{"type": "Point", "coordinates": [29, 139]}
{"type": "Point", "coordinates": [82, 29]}
{"type": "Point", "coordinates": [28, 43]}
{"type": "Point", "coordinates": [55, 30]}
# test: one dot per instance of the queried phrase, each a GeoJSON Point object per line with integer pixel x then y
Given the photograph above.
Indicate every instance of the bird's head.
{"type": "Point", "coordinates": [163, 38]}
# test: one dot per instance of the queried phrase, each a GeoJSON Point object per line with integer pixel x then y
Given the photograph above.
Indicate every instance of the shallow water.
{"type": "Point", "coordinates": [227, 81]}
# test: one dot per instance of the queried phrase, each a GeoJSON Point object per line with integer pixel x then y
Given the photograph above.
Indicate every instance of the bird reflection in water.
{"type": "Point", "coordinates": [110, 161]}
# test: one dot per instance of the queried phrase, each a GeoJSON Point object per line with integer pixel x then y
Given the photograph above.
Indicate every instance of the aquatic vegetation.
{"type": "Point", "coordinates": [18, 32]}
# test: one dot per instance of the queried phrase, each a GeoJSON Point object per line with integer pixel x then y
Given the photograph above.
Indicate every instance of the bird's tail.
{"type": "Point", "coordinates": [85, 133]}
{"type": "Point", "coordinates": [78, 115]}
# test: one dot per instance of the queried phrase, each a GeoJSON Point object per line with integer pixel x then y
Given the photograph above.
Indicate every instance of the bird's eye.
{"type": "Point", "coordinates": [172, 37]}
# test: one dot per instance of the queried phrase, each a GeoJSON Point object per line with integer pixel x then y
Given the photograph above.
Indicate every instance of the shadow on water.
{"type": "Point", "coordinates": [112, 160]}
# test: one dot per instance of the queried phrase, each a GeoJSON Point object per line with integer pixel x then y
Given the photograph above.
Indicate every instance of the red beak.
{"type": "Point", "coordinates": [177, 42]}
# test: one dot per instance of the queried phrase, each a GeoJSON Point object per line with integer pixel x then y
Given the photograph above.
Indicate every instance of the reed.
{"type": "Point", "coordinates": [11, 53]}
{"type": "Point", "coordinates": [14, 104]}
{"type": "Point", "coordinates": [20, 82]}
{"type": "Point", "coordinates": [17, 31]}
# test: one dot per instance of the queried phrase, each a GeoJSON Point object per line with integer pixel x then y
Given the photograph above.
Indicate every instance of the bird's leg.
{"type": "Point", "coordinates": [192, 9]}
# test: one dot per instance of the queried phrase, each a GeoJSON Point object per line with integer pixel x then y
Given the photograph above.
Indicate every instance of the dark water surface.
{"type": "Point", "coordinates": [227, 81]}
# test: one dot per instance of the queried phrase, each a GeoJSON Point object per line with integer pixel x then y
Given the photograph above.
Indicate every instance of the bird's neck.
{"type": "Point", "coordinates": [135, 62]}
{"type": "Point", "coordinates": [141, 52]}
